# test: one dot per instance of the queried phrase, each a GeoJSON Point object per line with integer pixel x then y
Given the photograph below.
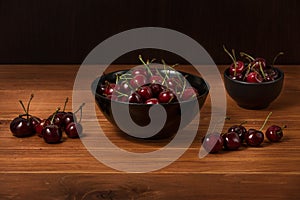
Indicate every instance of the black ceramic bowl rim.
{"type": "Point", "coordinates": [205, 93]}
{"type": "Point", "coordinates": [281, 76]}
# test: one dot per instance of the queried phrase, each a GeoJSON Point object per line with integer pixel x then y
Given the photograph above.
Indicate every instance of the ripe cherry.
{"type": "Point", "coordinates": [52, 133]}
{"type": "Point", "coordinates": [135, 98]}
{"type": "Point", "coordinates": [138, 80]}
{"type": "Point", "coordinates": [166, 96]}
{"type": "Point", "coordinates": [156, 79]}
{"type": "Point", "coordinates": [237, 67]}
{"type": "Point", "coordinates": [274, 133]}
{"type": "Point", "coordinates": [231, 141]}
{"type": "Point", "coordinates": [145, 92]}
{"type": "Point", "coordinates": [156, 89]}
{"type": "Point", "coordinates": [213, 142]}
{"type": "Point", "coordinates": [23, 127]}
{"type": "Point", "coordinates": [188, 94]}
{"type": "Point", "coordinates": [254, 77]}
{"type": "Point", "coordinates": [73, 130]}
{"type": "Point", "coordinates": [240, 130]}
{"type": "Point", "coordinates": [256, 137]}
{"type": "Point", "coordinates": [58, 117]}
{"type": "Point", "coordinates": [39, 127]}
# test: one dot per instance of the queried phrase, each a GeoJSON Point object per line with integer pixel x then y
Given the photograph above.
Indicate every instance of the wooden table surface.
{"type": "Point", "coordinates": [32, 169]}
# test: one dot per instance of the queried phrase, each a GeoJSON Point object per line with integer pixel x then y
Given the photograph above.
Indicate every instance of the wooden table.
{"type": "Point", "coordinates": [32, 169]}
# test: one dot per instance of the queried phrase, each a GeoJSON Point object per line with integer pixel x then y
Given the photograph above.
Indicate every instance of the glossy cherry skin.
{"type": "Point", "coordinates": [152, 101]}
{"type": "Point", "coordinates": [109, 89]}
{"type": "Point", "coordinates": [254, 77]}
{"type": "Point", "coordinates": [52, 134]}
{"type": "Point", "coordinates": [39, 127]}
{"type": "Point", "coordinates": [67, 118]}
{"type": "Point", "coordinates": [22, 127]}
{"type": "Point", "coordinates": [236, 69]}
{"type": "Point", "coordinates": [254, 137]}
{"type": "Point", "coordinates": [156, 89]}
{"type": "Point", "coordinates": [73, 130]}
{"type": "Point", "coordinates": [35, 121]}
{"type": "Point", "coordinates": [139, 71]}
{"type": "Point", "coordinates": [101, 89]}
{"type": "Point", "coordinates": [259, 62]}
{"type": "Point", "coordinates": [123, 87]}
{"type": "Point", "coordinates": [138, 80]}
{"type": "Point", "coordinates": [238, 77]}
{"type": "Point", "coordinates": [231, 141]}
{"type": "Point", "coordinates": [166, 96]}
{"type": "Point", "coordinates": [240, 130]}
{"type": "Point", "coordinates": [145, 92]}
{"type": "Point", "coordinates": [274, 133]}
{"type": "Point", "coordinates": [213, 142]}
{"type": "Point", "coordinates": [57, 120]}
{"type": "Point", "coordinates": [135, 98]}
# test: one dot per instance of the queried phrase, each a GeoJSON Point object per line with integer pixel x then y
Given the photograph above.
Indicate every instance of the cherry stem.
{"type": "Point", "coordinates": [146, 65]}
{"type": "Point", "coordinates": [285, 126]}
{"type": "Point", "coordinates": [21, 102]}
{"type": "Point", "coordinates": [267, 118]}
{"type": "Point", "coordinates": [275, 58]}
{"type": "Point", "coordinates": [262, 71]}
{"type": "Point", "coordinates": [66, 101]}
{"type": "Point", "coordinates": [247, 55]}
{"type": "Point", "coordinates": [54, 114]}
{"type": "Point", "coordinates": [79, 109]}
{"type": "Point", "coordinates": [28, 105]}
{"type": "Point", "coordinates": [242, 123]}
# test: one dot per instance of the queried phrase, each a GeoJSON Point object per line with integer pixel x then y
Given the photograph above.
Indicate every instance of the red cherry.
{"type": "Point", "coordinates": [259, 62]}
{"type": "Point", "coordinates": [109, 89]}
{"type": "Point", "coordinates": [145, 92]}
{"type": "Point", "coordinates": [52, 134]}
{"type": "Point", "coordinates": [236, 68]}
{"type": "Point", "coordinates": [39, 127]}
{"type": "Point", "coordinates": [254, 77]}
{"type": "Point", "coordinates": [156, 79]}
{"type": "Point", "coordinates": [73, 130]}
{"type": "Point", "coordinates": [135, 98]}
{"type": "Point", "coordinates": [254, 137]}
{"type": "Point", "coordinates": [232, 141]}
{"type": "Point", "coordinates": [138, 71]}
{"type": "Point", "coordinates": [138, 80]}
{"type": "Point", "coordinates": [274, 133]}
{"type": "Point", "coordinates": [166, 96]}
{"type": "Point", "coordinates": [188, 94]}
{"type": "Point", "coordinates": [213, 142]}
{"type": "Point", "coordinates": [156, 89]}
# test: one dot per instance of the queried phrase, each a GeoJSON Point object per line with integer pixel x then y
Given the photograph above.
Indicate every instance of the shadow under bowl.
{"type": "Point", "coordinates": [254, 96]}
{"type": "Point", "coordinates": [139, 113]}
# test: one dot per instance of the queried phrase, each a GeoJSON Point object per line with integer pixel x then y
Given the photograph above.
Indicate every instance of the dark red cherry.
{"type": "Point", "coordinates": [166, 96]}
{"type": "Point", "coordinates": [254, 77]}
{"type": "Point", "coordinates": [240, 130]}
{"type": "Point", "coordinates": [52, 134]}
{"type": "Point", "coordinates": [231, 141]}
{"type": "Point", "coordinates": [236, 68]}
{"type": "Point", "coordinates": [35, 121]}
{"type": "Point", "coordinates": [156, 89]}
{"type": "Point", "coordinates": [139, 71]}
{"type": "Point", "coordinates": [109, 89]}
{"type": "Point", "coordinates": [145, 92]}
{"type": "Point", "coordinates": [213, 142]}
{"type": "Point", "coordinates": [254, 137]}
{"type": "Point", "coordinates": [101, 89]}
{"type": "Point", "coordinates": [22, 127]}
{"type": "Point", "coordinates": [152, 101]}
{"type": "Point", "coordinates": [274, 133]}
{"type": "Point", "coordinates": [124, 87]}
{"type": "Point", "coordinates": [57, 120]}
{"type": "Point", "coordinates": [259, 62]}
{"type": "Point", "coordinates": [138, 80]}
{"type": "Point", "coordinates": [39, 127]}
{"type": "Point", "coordinates": [67, 118]}
{"type": "Point", "coordinates": [238, 77]}
{"type": "Point", "coordinates": [73, 130]}
{"type": "Point", "coordinates": [135, 98]}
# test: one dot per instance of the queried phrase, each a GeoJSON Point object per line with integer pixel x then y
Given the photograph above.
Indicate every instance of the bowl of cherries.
{"type": "Point", "coordinates": [133, 93]}
{"type": "Point", "coordinates": [253, 84]}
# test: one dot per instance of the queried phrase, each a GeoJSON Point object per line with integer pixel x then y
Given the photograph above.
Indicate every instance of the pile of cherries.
{"type": "Point", "coordinates": [256, 71]}
{"type": "Point", "coordinates": [237, 135]}
{"type": "Point", "coordinates": [50, 129]}
{"type": "Point", "coordinates": [146, 85]}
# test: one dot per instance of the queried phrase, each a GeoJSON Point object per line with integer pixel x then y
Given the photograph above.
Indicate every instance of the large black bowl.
{"type": "Point", "coordinates": [139, 112]}
{"type": "Point", "coordinates": [253, 95]}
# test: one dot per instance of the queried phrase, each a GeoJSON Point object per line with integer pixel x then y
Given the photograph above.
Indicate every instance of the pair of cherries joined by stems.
{"type": "Point", "coordinates": [256, 71]}
{"type": "Point", "coordinates": [50, 129]}
{"type": "Point", "coordinates": [236, 135]}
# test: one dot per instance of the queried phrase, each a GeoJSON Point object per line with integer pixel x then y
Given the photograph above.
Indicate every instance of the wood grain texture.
{"type": "Point", "coordinates": [31, 169]}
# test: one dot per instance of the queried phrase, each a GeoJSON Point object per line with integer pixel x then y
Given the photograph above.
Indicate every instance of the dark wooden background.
{"type": "Point", "coordinates": [65, 31]}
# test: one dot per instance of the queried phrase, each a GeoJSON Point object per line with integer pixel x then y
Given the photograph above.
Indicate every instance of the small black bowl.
{"type": "Point", "coordinates": [254, 95]}
{"type": "Point", "coordinates": [139, 112]}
